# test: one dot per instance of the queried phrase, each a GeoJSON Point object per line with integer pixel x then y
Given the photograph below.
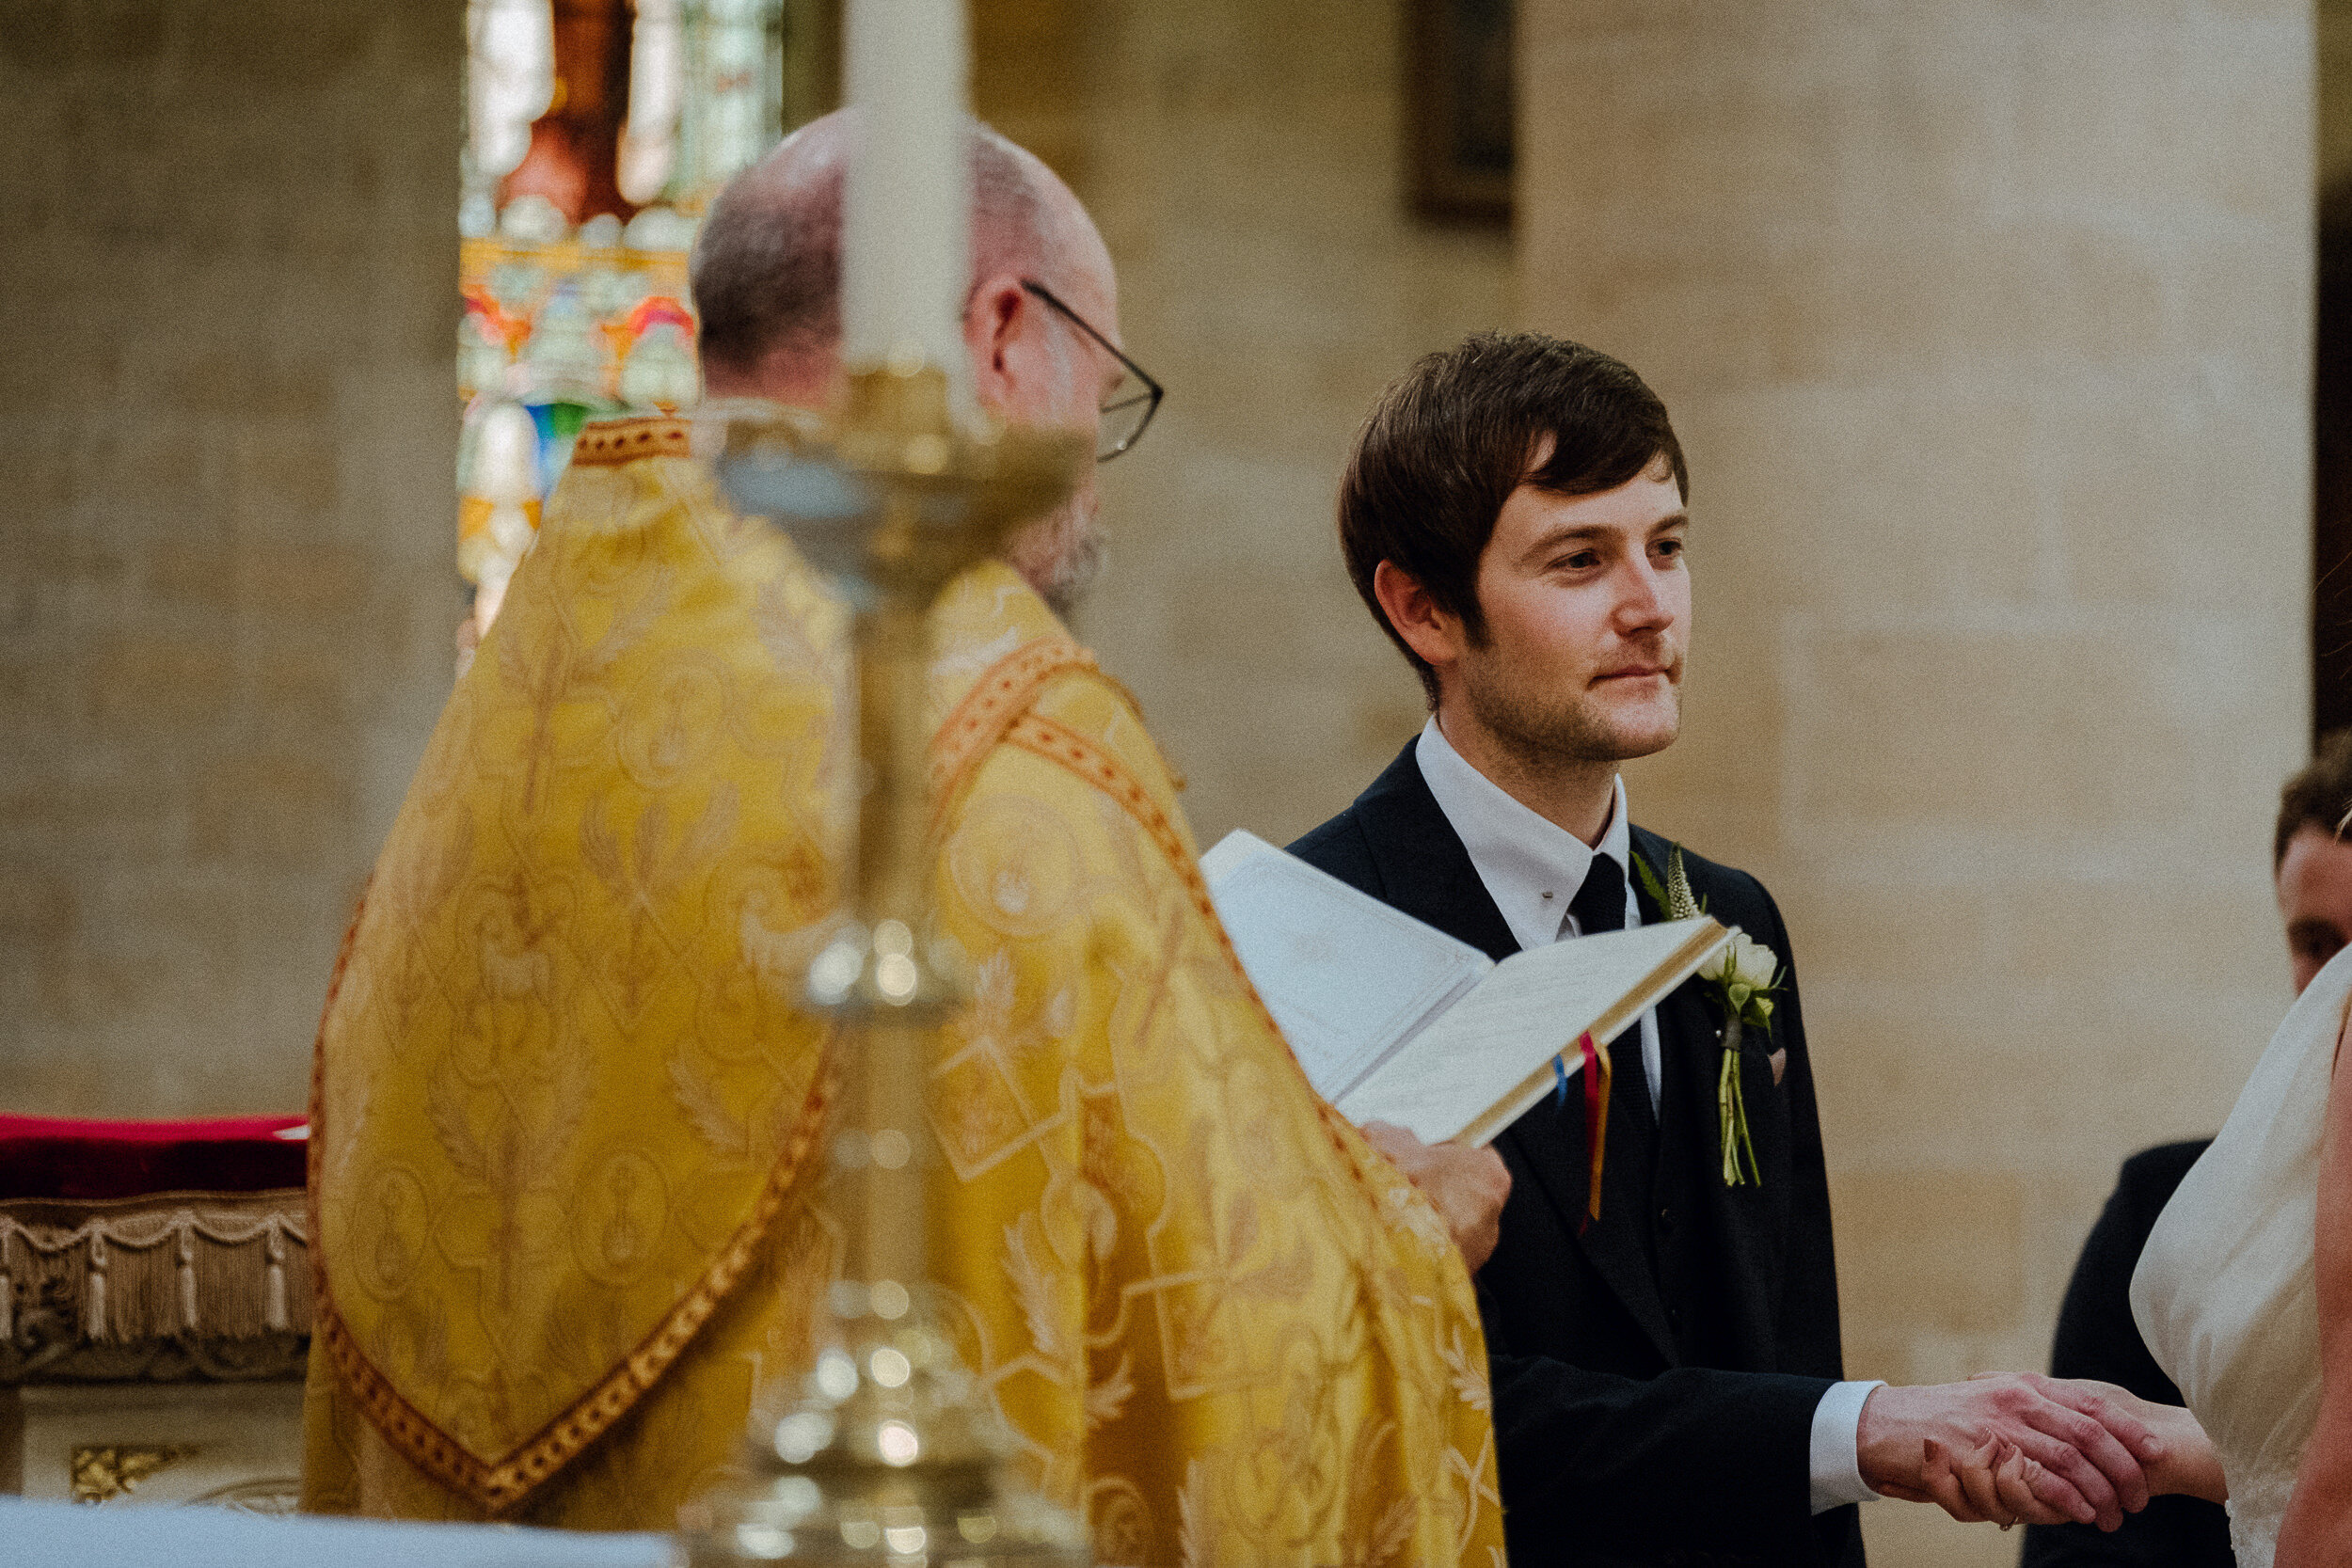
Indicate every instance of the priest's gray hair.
{"type": "Point", "coordinates": [767, 265]}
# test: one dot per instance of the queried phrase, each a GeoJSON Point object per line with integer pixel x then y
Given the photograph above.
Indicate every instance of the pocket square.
{"type": "Point", "coordinates": [1780, 1064]}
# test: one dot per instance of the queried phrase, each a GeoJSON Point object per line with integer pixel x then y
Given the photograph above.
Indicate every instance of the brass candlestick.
{"type": "Point", "coordinates": [893, 1455]}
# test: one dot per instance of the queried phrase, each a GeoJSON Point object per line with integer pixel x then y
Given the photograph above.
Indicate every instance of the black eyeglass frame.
{"type": "Point", "coordinates": [1153, 391]}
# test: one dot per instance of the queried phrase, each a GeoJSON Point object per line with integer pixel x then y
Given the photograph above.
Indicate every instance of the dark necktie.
{"type": "Point", "coordinates": [1600, 904]}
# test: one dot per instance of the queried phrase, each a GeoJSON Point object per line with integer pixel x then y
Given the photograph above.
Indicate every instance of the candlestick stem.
{"type": "Point", "coordinates": [894, 1453]}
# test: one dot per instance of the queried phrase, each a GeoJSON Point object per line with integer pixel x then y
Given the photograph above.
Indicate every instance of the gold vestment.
{"type": "Point", "coordinates": [568, 1228]}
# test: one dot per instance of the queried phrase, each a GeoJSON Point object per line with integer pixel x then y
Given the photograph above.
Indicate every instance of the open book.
{"type": "Point", "coordinates": [1396, 1021]}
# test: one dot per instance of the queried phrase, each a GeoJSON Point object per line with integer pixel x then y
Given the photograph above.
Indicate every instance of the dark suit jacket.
{"type": "Point", "coordinates": [1655, 1377]}
{"type": "Point", "coordinates": [2097, 1337]}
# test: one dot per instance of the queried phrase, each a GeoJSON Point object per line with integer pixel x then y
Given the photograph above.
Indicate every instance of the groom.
{"type": "Point", "coordinates": [1667, 1377]}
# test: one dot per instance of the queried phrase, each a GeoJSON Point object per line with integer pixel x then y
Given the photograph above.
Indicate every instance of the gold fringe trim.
{"type": "Point", "coordinates": [156, 1266]}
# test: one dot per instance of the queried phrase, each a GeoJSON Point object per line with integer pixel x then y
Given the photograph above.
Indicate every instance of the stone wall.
{"type": "Point", "coordinates": [224, 631]}
{"type": "Point", "coordinates": [226, 594]}
{"type": "Point", "coordinates": [1246, 163]}
{"type": "Point", "coordinates": [1987, 328]}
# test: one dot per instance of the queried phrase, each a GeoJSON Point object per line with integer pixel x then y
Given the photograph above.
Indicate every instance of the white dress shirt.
{"type": "Point", "coordinates": [1531, 867]}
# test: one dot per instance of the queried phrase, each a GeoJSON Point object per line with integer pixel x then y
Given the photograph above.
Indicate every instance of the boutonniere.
{"type": "Point", "coordinates": [1742, 977]}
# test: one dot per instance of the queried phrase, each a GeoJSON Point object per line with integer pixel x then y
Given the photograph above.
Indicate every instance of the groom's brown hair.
{"type": "Point", "coordinates": [1451, 437]}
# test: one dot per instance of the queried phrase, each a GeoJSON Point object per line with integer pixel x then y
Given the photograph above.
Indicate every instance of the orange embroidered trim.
{"type": "Point", "coordinates": [318, 1084]}
{"type": "Point", "coordinates": [499, 1485]}
{"type": "Point", "coordinates": [1089, 760]}
{"type": "Point", "coordinates": [615, 441]}
{"type": "Point", "coordinates": [1002, 694]}
{"type": "Point", "coordinates": [1057, 742]}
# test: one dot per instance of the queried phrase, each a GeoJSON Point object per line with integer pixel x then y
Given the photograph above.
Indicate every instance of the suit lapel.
{"type": "Point", "coordinates": [1550, 1142]}
{"type": "Point", "coordinates": [1690, 1041]}
{"type": "Point", "coordinates": [1685, 1028]}
{"type": "Point", "coordinates": [1422, 867]}
{"type": "Point", "coordinates": [1425, 872]}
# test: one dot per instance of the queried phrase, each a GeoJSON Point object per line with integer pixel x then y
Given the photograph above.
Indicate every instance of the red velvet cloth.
{"type": "Point", "coordinates": [62, 1157]}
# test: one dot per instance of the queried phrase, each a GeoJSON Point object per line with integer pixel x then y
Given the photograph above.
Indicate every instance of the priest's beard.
{"type": "Point", "coordinates": [1544, 731]}
{"type": "Point", "coordinates": [1061, 553]}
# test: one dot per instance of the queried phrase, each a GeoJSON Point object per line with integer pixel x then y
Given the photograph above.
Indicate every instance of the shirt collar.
{"type": "Point", "coordinates": [1532, 866]}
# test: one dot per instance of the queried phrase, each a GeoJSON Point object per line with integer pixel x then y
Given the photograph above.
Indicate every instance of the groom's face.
{"type": "Point", "coordinates": [1587, 608]}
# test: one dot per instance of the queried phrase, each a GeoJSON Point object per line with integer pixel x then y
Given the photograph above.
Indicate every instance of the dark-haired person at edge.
{"type": "Point", "coordinates": [2096, 1337]}
{"type": "Point", "coordinates": [1667, 1376]}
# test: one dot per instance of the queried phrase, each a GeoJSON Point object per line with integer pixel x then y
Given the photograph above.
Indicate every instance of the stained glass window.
{"type": "Point", "coordinates": [598, 132]}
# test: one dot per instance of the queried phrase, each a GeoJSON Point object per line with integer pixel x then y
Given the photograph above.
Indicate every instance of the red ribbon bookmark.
{"type": "Point", "coordinates": [1596, 1119]}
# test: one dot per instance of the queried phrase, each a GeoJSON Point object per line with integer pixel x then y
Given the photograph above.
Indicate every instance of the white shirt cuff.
{"type": "Point", "coordinates": [1837, 1447]}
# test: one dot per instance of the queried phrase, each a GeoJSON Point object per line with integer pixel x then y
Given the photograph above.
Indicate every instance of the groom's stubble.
{"type": "Point", "coordinates": [1546, 729]}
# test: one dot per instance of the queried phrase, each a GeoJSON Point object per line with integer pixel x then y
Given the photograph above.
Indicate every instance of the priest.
{"type": "Point", "coordinates": [569, 1228]}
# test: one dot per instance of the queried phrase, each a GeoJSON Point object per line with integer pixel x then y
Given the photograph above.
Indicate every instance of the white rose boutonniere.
{"type": "Point", "coordinates": [1744, 976]}
{"type": "Point", "coordinates": [1742, 970]}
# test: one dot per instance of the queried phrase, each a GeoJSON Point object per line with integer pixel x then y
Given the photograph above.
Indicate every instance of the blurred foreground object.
{"type": "Point", "coordinates": [895, 1447]}
{"type": "Point", "coordinates": [58, 1535]}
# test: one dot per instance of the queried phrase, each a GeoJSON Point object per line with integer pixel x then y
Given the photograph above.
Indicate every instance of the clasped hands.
{"type": "Point", "coordinates": [2003, 1448]}
{"type": "Point", "coordinates": [2013, 1448]}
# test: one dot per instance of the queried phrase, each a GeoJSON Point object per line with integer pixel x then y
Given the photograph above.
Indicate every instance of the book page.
{"type": "Point", "coordinates": [1478, 1067]}
{"type": "Point", "coordinates": [1346, 976]}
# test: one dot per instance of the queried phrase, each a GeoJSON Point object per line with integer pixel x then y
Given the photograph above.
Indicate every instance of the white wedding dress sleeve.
{"type": "Point", "coordinates": [2223, 1293]}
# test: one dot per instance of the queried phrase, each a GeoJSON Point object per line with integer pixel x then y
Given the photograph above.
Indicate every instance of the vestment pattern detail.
{"type": "Point", "coordinates": [564, 1097]}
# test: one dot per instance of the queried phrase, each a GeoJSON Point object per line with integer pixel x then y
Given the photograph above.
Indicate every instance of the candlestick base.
{"type": "Point", "coordinates": [892, 1456]}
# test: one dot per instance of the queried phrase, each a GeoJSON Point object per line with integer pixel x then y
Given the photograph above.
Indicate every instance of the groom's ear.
{"type": "Point", "coordinates": [1433, 634]}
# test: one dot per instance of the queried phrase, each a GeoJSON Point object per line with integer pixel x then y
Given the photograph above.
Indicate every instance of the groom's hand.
{"type": "Point", "coordinates": [2078, 1455]}
{"type": "Point", "coordinates": [1465, 1185]}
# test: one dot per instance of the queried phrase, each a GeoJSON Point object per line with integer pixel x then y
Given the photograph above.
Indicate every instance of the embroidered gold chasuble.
{"type": "Point", "coordinates": [568, 1224]}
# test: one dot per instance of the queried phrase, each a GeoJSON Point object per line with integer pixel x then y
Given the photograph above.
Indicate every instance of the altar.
{"type": "Point", "coordinates": [154, 1311]}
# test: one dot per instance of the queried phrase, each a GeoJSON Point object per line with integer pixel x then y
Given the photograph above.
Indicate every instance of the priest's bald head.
{"type": "Point", "coordinates": [767, 276]}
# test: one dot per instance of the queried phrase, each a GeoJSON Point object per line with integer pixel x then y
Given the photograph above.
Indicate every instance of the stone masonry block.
{"type": "Point", "coordinates": [276, 812]}
{"type": "Point", "coordinates": [2021, 729]}
{"type": "Point", "coordinates": [140, 681]}
{"type": "Point", "coordinates": [302, 586]}
{"type": "Point", "coordinates": [201, 575]}
{"type": "Point", "coordinates": [1966, 511]}
{"type": "Point", "coordinates": [1938, 1279]}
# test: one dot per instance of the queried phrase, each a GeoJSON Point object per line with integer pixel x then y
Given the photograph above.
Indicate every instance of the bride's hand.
{"type": "Point", "coordinates": [1996, 1484]}
{"type": "Point", "coordinates": [2185, 1461]}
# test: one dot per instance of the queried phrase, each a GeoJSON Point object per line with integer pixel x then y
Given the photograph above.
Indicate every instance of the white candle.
{"type": "Point", "coordinates": [906, 227]}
